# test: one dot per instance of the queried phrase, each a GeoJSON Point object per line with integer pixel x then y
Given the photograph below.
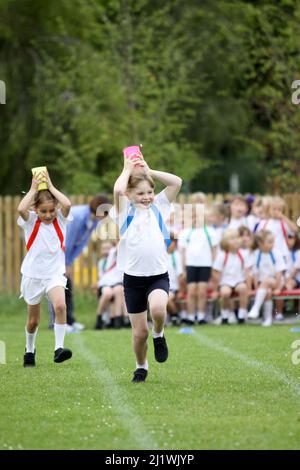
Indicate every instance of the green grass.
{"type": "Point", "coordinates": [228, 387]}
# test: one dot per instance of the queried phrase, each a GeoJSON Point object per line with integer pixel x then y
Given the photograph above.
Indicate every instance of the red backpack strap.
{"type": "Point", "coordinates": [111, 267]}
{"type": "Point", "coordinates": [283, 230]}
{"type": "Point", "coordinates": [225, 259]}
{"type": "Point", "coordinates": [59, 234]}
{"type": "Point", "coordinates": [33, 234]}
{"type": "Point", "coordinates": [241, 258]}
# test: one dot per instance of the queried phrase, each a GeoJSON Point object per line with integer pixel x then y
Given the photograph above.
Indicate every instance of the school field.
{"type": "Point", "coordinates": [228, 387]}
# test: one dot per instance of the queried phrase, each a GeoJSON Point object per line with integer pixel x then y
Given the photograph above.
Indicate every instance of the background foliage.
{"type": "Point", "coordinates": [204, 86]}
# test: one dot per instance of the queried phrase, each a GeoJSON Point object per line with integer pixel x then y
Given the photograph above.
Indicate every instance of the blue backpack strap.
{"type": "Point", "coordinates": [128, 220]}
{"type": "Point", "coordinates": [173, 260]}
{"type": "Point", "coordinates": [272, 258]}
{"type": "Point", "coordinates": [162, 226]}
{"type": "Point", "coordinates": [258, 260]}
{"type": "Point", "coordinates": [255, 227]}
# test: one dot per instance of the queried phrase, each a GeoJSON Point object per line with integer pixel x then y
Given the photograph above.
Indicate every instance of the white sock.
{"type": "Point", "coordinates": [224, 314]}
{"type": "Point", "coordinates": [183, 314]}
{"type": "Point", "coordinates": [157, 335]}
{"type": "Point", "coordinates": [200, 316]}
{"type": "Point", "coordinates": [242, 313]}
{"type": "Point", "coordinates": [30, 340]}
{"type": "Point", "coordinates": [190, 316]}
{"type": "Point", "coordinates": [59, 333]}
{"type": "Point", "coordinates": [268, 310]}
{"type": "Point", "coordinates": [259, 298]}
{"type": "Point", "coordinates": [142, 366]}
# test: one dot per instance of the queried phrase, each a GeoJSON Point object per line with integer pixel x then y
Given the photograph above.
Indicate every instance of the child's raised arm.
{"type": "Point", "coordinates": [23, 207]}
{"type": "Point", "coordinates": [62, 199]}
{"type": "Point", "coordinates": [121, 183]}
{"type": "Point", "coordinates": [173, 183]}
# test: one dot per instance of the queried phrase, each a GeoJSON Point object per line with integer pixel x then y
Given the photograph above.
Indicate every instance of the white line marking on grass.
{"type": "Point", "coordinates": [261, 366]}
{"type": "Point", "coordinates": [131, 422]}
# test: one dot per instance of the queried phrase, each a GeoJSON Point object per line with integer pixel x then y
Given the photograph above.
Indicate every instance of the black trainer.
{"type": "Point", "coordinates": [29, 359]}
{"type": "Point", "coordinates": [62, 354]}
{"type": "Point", "coordinates": [139, 375]}
{"type": "Point", "coordinates": [99, 323]}
{"type": "Point", "coordinates": [160, 349]}
{"type": "Point", "coordinates": [118, 323]}
{"type": "Point", "coordinates": [224, 321]}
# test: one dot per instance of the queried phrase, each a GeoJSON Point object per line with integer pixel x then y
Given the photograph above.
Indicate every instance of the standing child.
{"type": "Point", "coordinates": [268, 268]}
{"type": "Point", "coordinates": [238, 212]}
{"type": "Point", "coordinates": [218, 220]}
{"type": "Point", "coordinates": [231, 272]}
{"type": "Point", "coordinates": [142, 253]}
{"type": "Point", "coordinates": [198, 245]}
{"type": "Point", "coordinates": [43, 268]}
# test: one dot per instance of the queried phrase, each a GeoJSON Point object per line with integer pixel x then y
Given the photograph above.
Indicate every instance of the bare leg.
{"type": "Point", "coordinates": [158, 300]}
{"type": "Point", "coordinates": [139, 336]}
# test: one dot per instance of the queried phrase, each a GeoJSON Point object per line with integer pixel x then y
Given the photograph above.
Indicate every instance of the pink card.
{"type": "Point", "coordinates": [132, 152]}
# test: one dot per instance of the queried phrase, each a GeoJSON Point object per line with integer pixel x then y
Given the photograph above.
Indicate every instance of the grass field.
{"type": "Point", "coordinates": [229, 387]}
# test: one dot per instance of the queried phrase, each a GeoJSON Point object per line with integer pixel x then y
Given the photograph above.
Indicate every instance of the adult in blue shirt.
{"type": "Point", "coordinates": [86, 217]}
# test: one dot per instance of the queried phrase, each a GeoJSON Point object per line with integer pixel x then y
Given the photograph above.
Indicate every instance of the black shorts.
{"type": "Point", "coordinates": [138, 288]}
{"type": "Point", "coordinates": [197, 274]}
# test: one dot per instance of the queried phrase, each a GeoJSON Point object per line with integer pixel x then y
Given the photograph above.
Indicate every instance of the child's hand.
{"type": "Point", "coordinates": [145, 166]}
{"type": "Point", "coordinates": [276, 291]}
{"type": "Point", "coordinates": [47, 179]}
{"type": "Point", "coordinates": [34, 184]}
{"type": "Point", "coordinates": [129, 164]}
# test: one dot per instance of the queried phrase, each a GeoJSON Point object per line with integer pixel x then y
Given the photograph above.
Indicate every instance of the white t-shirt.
{"type": "Point", "coordinates": [237, 223]}
{"type": "Point", "coordinates": [233, 271]}
{"type": "Point", "coordinates": [175, 269]}
{"type": "Point", "coordinates": [142, 250]}
{"type": "Point", "coordinates": [108, 273]}
{"type": "Point", "coordinates": [218, 232]}
{"type": "Point", "coordinates": [197, 247]}
{"type": "Point", "coordinates": [277, 227]}
{"type": "Point", "coordinates": [252, 220]}
{"type": "Point", "coordinates": [45, 257]}
{"type": "Point", "coordinates": [266, 267]}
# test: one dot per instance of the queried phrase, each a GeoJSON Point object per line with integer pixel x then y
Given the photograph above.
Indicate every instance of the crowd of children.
{"type": "Point", "coordinates": [238, 253]}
